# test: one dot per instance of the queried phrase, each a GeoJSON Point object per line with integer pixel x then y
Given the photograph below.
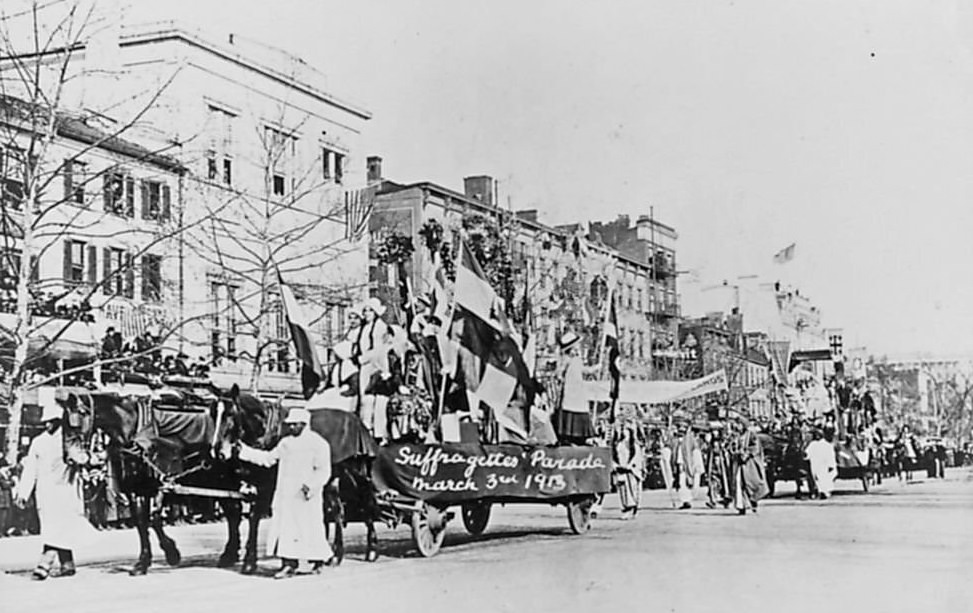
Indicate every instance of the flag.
{"type": "Point", "coordinates": [312, 372]}
{"type": "Point", "coordinates": [529, 338]}
{"type": "Point", "coordinates": [489, 362]}
{"type": "Point", "coordinates": [785, 255]}
{"type": "Point", "coordinates": [611, 344]}
{"type": "Point", "coordinates": [358, 210]}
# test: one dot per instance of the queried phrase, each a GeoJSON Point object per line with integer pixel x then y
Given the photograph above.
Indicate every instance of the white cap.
{"type": "Point", "coordinates": [298, 416]}
{"type": "Point", "coordinates": [50, 409]}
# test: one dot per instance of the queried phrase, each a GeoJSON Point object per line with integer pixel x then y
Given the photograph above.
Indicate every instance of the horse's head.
{"type": "Point", "coordinates": [243, 417]}
{"type": "Point", "coordinates": [117, 416]}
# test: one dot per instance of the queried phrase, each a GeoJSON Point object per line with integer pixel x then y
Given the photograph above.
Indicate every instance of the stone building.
{"type": "Point", "coordinates": [270, 151]}
{"type": "Point", "coordinates": [564, 273]}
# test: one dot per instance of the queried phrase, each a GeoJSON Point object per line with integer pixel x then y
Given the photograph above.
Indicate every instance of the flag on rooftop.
{"type": "Point", "coordinates": [785, 255]}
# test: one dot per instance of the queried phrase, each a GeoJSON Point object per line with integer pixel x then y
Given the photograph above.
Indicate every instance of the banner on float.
{"type": "Point", "coordinates": [456, 472]}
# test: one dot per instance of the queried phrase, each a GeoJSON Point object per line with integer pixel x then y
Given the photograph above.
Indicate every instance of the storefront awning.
{"type": "Point", "coordinates": [54, 339]}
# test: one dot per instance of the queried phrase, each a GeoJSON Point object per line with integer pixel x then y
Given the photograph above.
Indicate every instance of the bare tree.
{"type": "Point", "coordinates": [66, 182]}
{"type": "Point", "coordinates": [294, 222]}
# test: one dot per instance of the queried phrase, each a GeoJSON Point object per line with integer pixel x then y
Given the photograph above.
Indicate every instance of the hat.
{"type": "Point", "coordinates": [50, 409]}
{"type": "Point", "coordinates": [568, 340]}
{"type": "Point", "coordinates": [374, 304]}
{"type": "Point", "coordinates": [298, 416]}
{"type": "Point", "coordinates": [343, 350]}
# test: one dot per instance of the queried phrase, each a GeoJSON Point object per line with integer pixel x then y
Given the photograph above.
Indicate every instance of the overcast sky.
{"type": "Point", "coordinates": [844, 127]}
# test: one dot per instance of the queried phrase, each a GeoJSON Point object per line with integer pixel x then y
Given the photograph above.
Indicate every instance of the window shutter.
{"type": "Point", "coordinates": [129, 275]}
{"type": "Point", "coordinates": [108, 282]}
{"type": "Point", "coordinates": [107, 190]}
{"type": "Point", "coordinates": [92, 264]}
{"type": "Point", "coordinates": [35, 273]}
{"type": "Point", "coordinates": [145, 277]}
{"type": "Point", "coordinates": [166, 205]}
{"type": "Point", "coordinates": [145, 199]}
{"type": "Point", "coordinates": [129, 196]}
{"type": "Point", "coordinates": [67, 171]}
{"type": "Point", "coordinates": [67, 262]}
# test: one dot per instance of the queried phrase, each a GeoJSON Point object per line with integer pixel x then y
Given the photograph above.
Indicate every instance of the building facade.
{"type": "Point", "coordinates": [565, 276]}
{"type": "Point", "coordinates": [271, 158]}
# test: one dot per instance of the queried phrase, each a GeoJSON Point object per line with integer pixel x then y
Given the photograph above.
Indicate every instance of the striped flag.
{"type": "Point", "coordinates": [490, 363]}
{"type": "Point", "coordinates": [358, 209]}
{"type": "Point", "coordinates": [785, 255]}
{"type": "Point", "coordinates": [611, 344]}
{"type": "Point", "coordinates": [312, 373]}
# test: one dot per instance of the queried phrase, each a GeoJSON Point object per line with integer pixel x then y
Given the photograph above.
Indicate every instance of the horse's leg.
{"type": "Point", "coordinates": [334, 512]}
{"type": "Point", "coordinates": [139, 506]}
{"type": "Point", "coordinates": [257, 508]}
{"type": "Point", "coordinates": [371, 514]}
{"type": "Point", "coordinates": [173, 557]}
{"type": "Point", "coordinates": [231, 553]}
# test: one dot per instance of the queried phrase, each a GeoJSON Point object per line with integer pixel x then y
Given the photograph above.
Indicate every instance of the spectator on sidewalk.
{"type": "Point", "coordinates": [60, 504]}
{"type": "Point", "coordinates": [629, 467]}
{"type": "Point", "coordinates": [297, 524]}
{"type": "Point", "coordinates": [6, 497]}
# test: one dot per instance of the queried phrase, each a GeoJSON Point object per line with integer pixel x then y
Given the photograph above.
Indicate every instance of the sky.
{"type": "Point", "coordinates": [843, 127]}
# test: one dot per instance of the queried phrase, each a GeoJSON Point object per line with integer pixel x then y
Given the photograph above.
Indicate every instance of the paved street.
{"type": "Point", "coordinates": [903, 547]}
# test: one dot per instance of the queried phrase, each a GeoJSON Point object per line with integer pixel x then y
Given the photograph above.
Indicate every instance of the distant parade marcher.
{"type": "Point", "coordinates": [824, 466]}
{"type": "Point", "coordinates": [572, 419]}
{"type": "Point", "coordinates": [718, 471]}
{"type": "Point", "coordinates": [58, 493]}
{"type": "Point", "coordinates": [749, 478]}
{"type": "Point", "coordinates": [686, 460]}
{"type": "Point", "coordinates": [297, 523]}
{"type": "Point", "coordinates": [629, 461]}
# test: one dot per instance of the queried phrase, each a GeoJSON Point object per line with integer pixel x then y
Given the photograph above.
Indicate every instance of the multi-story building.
{"type": "Point", "coordinates": [270, 152]}
{"type": "Point", "coordinates": [89, 217]}
{"type": "Point", "coordinates": [565, 275]}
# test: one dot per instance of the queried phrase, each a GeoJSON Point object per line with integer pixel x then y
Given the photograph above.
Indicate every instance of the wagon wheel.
{"type": "Point", "coordinates": [579, 515]}
{"type": "Point", "coordinates": [428, 529]}
{"type": "Point", "coordinates": [476, 516]}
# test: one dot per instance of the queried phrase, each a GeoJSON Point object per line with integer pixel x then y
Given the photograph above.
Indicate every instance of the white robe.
{"type": "Point", "coordinates": [824, 465]}
{"type": "Point", "coordinates": [297, 525]}
{"type": "Point", "coordinates": [60, 505]}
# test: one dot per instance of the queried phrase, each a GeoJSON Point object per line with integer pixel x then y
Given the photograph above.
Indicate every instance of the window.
{"type": "Point", "coordinates": [12, 172]}
{"type": "Point", "coordinates": [151, 278]}
{"type": "Point", "coordinates": [75, 178]}
{"type": "Point", "coordinates": [280, 352]}
{"type": "Point", "coordinates": [9, 275]}
{"type": "Point", "coordinates": [333, 165]}
{"type": "Point", "coordinates": [641, 343]}
{"type": "Point", "coordinates": [155, 201]}
{"type": "Point", "coordinates": [219, 168]}
{"type": "Point", "coordinates": [115, 263]}
{"type": "Point", "coordinates": [639, 304]}
{"type": "Point", "coordinates": [119, 194]}
{"type": "Point", "coordinates": [219, 155]}
{"type": "Point", "coordinates": [281, 151]}
{"type": "Point", "coordinates": [80, 261]}
{"type": "Point", "coordinates": [224, 326]}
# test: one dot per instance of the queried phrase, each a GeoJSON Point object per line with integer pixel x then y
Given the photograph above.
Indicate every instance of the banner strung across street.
{"type": "Point", "coordinates": [457, 472]}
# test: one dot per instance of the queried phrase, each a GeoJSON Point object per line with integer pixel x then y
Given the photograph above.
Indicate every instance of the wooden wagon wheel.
{"type": "Point", "coordinates": [476, 516]}
{"type": "Point", "coordinates": [579, 515]}
{"type": "Point", "coordinates": [428, 529]}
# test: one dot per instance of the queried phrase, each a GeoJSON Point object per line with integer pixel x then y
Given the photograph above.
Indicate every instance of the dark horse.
{"type": "Point", "coordinates": [350, 494]}
{"type": "Point", "coordinates": [150, 451]}
{"type": "Point", "coordinates": [786, 460]}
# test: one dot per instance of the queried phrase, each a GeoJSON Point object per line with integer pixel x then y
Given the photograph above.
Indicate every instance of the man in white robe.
{"type": "Point", "coordinates": [824, 466]}
{"type": "Point", "coordinates": [58, 492]}
{"type": "Point", "coordinates": [297, 526]}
